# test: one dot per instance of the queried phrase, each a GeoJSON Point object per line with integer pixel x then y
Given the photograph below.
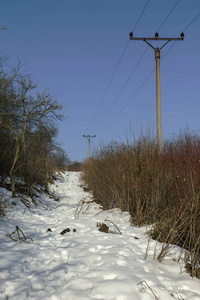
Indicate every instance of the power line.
{"type": "Point", "coordinates": [108, 85]}
{"type": "Point", "coordinates": [140, 16]}
{"type": "Point", "coordinates": [191, 22]}
{"type": "Point", "coordinates": [128, 101]}
{"type": "Point", "coordinates": [115, 71]}
{"type": "Point", "coordinates": [169, 50]}
{"type": "Point", "coordinates": [168, 15]}
{"type": "Point", "coordinates": [116, 68]}
{"type": "Point", "coordinates": [121, 89]}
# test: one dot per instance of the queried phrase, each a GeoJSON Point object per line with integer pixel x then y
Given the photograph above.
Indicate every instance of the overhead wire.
{"type": "Point", "coordinates": [191, 22]}
{"type": "Point", "coordinates": [119, 94]}
{"type": "Point", "coordinates": [140, 16]}
{"type": "Point", "coordinates": [140, 59]}
{"type": "Point", "coordinates": [128, 101]}
{"type": "Point", "coordinates": [115, 71]}
{"type": "Point", "coordinates": [140, 87]}
{"type": "Point", "coordinates": [138, 62]}
{"type": "Point", "coordinates": [96, 112]}
{"type": "Point", "coordinates": [104, 95]}
{"type": "Point", "coordinates": [152, 70]}
{"type": "Point", "coordinates": [168, 15]}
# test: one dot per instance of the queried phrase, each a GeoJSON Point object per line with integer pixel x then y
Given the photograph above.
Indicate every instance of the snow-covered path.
{"type": "Point", "coordinates": [84, 263]}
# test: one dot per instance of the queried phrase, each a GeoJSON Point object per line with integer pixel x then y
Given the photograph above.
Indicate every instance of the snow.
{"type": "Point", "coordinates": [86, 264]}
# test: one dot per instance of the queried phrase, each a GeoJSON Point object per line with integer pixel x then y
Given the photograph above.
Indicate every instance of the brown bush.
{"type": "Point", "coordinates": [161, 189]}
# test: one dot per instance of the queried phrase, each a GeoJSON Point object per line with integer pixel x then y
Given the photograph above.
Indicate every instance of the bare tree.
{"type": "Point", "coordinates": [22, 110]}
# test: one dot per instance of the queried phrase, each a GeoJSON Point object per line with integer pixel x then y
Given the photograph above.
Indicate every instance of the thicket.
{"type": "Point", "coordinates": [28, 149]}
{"type": "Point", "coordinates": [162, 189]}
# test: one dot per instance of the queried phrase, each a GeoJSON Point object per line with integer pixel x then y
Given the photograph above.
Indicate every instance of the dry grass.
{"type": "Point", "coordinates": [161, 189]}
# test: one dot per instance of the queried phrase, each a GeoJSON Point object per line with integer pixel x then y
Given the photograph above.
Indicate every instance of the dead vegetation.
{"type": "Point", "coordinates": [18, 236]}
{"type": "Point", "coordinates": [160, 189]}
{"type": "Point", "coordinates": [105, 228]}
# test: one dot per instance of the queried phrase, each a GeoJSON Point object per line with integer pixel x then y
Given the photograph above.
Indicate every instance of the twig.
{"type": "Point", "coordinates": [144, 281]}
{"type": "Point", "coordinates": [178, 295]}
{"type": "Point", "coordinates": [147, 248]}
{"type": "Point", "coordinates": [88, 206]}
{"type": "Point", "coordinates": [80, 207]}
{"type": "Point", "coordinates": [77, 212]}
{"type": "Point", "coordinates": [98, 213]}
{"type": "Point", "coordinates": [20, 239]}
{"type": "Point", "coordinates": [92, 288]}
{"type": "Point", "coordinates": [119, 232]}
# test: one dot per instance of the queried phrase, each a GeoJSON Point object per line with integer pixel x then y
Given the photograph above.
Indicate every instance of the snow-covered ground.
{"type": "Point", "coordinates": [84, 263]}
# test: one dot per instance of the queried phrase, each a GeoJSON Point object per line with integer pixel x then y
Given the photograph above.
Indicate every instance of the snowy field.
{"type": "Point", "coordinates": [84, 263]}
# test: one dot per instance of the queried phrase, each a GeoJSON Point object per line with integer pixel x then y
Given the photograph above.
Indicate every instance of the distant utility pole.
{"type": "Point", "coordinates": [157, 57]}
{"type": "Point", "coordinates": [89, 138]}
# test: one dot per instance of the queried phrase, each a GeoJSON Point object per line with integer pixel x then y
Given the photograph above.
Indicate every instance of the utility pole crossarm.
{"type": "Point", "coordinates": [156, 38]}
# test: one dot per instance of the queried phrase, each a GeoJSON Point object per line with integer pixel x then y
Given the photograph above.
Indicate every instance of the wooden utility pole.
{"type": "Point", "coordinates": [158, 98]}
{"type": "Point", "coordinates": [89, 138]}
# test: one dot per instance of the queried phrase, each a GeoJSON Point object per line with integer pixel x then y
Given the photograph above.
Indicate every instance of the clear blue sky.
{"type": "Point", "coordinates": [73, 47]}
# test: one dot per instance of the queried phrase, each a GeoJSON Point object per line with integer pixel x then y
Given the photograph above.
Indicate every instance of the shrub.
{"type": "Point", "coordinates": [75, 166]}
{"type": "Point", "coordinates": [156, 188]}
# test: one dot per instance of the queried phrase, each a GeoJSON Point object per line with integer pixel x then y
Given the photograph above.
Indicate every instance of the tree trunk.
{"type": "Point", "coordinates": [12, 170]}
{"type": "Point", "coordinates": [46, 169]}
